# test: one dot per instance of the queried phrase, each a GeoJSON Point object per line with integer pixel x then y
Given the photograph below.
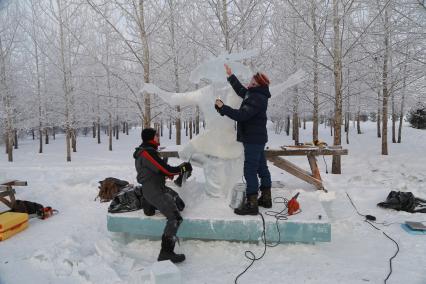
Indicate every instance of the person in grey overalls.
{"type": "Point", "coordinates": [152, 172]}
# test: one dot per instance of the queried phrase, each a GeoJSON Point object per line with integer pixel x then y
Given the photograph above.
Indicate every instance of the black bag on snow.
{"type": "Point", "coordinates": [404, 201]}
{"type": "Point", "coordinates": [31, 208]}
{"type": "Point", "coordinates": [129, 199]}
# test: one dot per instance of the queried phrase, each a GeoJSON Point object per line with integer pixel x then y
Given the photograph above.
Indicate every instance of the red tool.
{"type": "Point", "coordinates": [293, 205]}
{"type": "Point", "coordinates": [47, 212]}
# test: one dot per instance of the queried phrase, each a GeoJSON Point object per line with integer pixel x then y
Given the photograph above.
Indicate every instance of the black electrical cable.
{"type": "Point", "coordinates": [278, 215]}
{"type": "Point", "coordinates": [369, 219]}
{"type": "Point", "coordinates": [250, 255]}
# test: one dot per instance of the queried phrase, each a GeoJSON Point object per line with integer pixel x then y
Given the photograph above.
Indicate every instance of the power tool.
{"type": "Point", "coordinates": [293, 205]}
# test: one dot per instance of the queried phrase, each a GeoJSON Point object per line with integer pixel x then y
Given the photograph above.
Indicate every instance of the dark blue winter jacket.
{"type": "Point", "coordinates": [251, 116]}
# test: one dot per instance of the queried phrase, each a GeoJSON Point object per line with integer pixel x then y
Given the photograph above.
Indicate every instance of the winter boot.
{"type": "Point", "coordinates": [248, 208]}
{"type": "Point", "coordinates": [167, 250]}
{"type": "Point", "coordinates": [265, 199]}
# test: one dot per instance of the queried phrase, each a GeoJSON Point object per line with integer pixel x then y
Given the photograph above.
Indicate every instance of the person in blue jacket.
{"type": "Point", "coordinates": [251, 131]}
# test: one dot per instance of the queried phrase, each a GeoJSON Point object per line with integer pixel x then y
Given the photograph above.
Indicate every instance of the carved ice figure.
{"type": "Point", "coordinates": [216, 149]}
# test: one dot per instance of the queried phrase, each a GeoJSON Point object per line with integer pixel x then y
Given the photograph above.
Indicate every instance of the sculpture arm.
{"type": "Point", "coordinates": [180, 99]}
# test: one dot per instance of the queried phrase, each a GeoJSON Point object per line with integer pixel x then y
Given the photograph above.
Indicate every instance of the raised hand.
{"type": "Point", "coordinates": [228, 70]}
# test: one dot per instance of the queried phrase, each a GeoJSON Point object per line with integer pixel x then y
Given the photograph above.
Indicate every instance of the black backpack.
{"type": "Point", "coordinates": [404, 201]}
{"type": "Point", "coordinates": [128, 199]}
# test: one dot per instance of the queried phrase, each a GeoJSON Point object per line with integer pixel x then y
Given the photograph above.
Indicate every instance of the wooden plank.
{"type": "Point", "coordinates": [169, 154]}
{"type": "Point", "coordinates": [8, 192]}
{"type": "Point", "coordinates": [15, 183]}
{"type": "Point", "coordinates": [273, 153]}
{"type": "Point", "coordinates": [314, 167]}
{"type": "Point", "coordinates": [296, 171]}
{"type": "Point", "coordinates": [305, 152]}
{"type": "Point", "coordinates": [6, 202]}
{"type": "Point", "coordinates": [4, 193]}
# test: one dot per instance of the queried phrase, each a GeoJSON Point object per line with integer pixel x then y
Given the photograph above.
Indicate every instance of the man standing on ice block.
{"type": "Point", "coordinates": [251, 131]}
{"type": "Point", "coordinates": [152, 171]}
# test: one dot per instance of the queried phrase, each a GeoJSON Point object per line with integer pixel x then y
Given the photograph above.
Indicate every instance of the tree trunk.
{"type": "Point", "coordinates": [347, 128]}
{"type": "Point", "coordinates": [393, 117]}
{"type": "Point", "coordinates": [170, 130]}
{"type": "Point", "coordinates": [190, 129]}
{"type": "Point", "coordinates": [68, 143]}
{"type": "Point", "coordinates": [110, 133]}
{"type": "Point", "coordinates": [225, 24]}
{"type": "Point", "coordinates": [15, 139]}
{"type": "Point", "coordinates": [117, 130]}
{"type": "Point", "coordinates": [379, 132]}
{"type": "Point", "coordinates": [40, 146]}
{"type": "Point", "coordinates": [74, 140]}
{"type": "Point", "coordinates": [197, 120]}
{"type": "Point", "coordinates": [358, 122]}
{"type": "Point", "coordinates": [316, 88]}
{"type": "Point", "coordinates": [46, 133]}
{"type": "Point", "coordinates": [161, 128]}
{"type": "Point", "coordinates": [385, 87]}
{"type": "Point", "coordinates": [98, 126]}
{"type": "Point", "coordinates": [337, 67]}
{"type": "Point", "coordinates": [287, 125]}
{"type": "Point", "coordinates": [146, 66]}
{"type": "Point", "coordinates": [9, 145]}
{"type": "Point", "coordinates": [401, 111]}
{"type": "Point", "coordinates": [178, 126]}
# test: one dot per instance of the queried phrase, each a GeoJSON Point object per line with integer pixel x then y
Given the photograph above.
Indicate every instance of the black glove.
{"type": "Point", "coordinates": [185, 167]}
{"type": "Point", "coordinates": [179, 179]}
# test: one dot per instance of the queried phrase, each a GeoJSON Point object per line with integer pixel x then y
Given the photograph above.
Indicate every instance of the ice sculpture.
{"type": "Point", "coordinates": [216, 149]}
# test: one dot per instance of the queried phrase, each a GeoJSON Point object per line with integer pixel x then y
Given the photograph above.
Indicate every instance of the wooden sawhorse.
{"type": "Point", "coordinates": [7, 191]}
{"type": "Point", "coordinates": [313, 177]}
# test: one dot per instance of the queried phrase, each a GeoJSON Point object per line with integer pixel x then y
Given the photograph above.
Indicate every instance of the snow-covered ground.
{"type": "Point", "coordinates": [75, 246]}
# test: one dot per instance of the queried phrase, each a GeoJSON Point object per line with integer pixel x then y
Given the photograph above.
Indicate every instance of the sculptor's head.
{"type": "Point", "coordinates": [259, 79]}
{"type": "Point", "coordinates": [150, 135]}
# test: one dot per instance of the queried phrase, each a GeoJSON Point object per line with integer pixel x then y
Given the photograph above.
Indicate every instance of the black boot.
{"type": "Point", "coordinates": [265, 199]}
{"type": "Point", "coordinates": [250, 207]}
{"type": "Point", "coordinates": [167, 250]}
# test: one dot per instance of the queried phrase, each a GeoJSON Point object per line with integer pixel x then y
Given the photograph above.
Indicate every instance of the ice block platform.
{"type": "Point", "coordinates": [208, 218]}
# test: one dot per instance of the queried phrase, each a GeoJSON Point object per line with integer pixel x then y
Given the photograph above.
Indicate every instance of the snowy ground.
{"type": "Point", "coordinates": [75, 246]}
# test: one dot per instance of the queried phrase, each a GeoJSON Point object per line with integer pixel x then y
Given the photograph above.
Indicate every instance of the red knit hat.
{"type": "Point", "coordinates": [261, 79]}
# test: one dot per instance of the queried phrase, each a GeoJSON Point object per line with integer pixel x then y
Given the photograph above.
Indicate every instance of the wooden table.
{"type": "Point", "coordinates": [7, 191]}
{"type": "Point", "coordinates": [275, 157]}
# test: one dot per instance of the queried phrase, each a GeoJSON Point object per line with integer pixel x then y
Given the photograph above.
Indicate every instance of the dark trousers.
{"type": "Point", "coordinates": [254, 166]}
{"type": "Point", "coordinates": [164, 200]}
